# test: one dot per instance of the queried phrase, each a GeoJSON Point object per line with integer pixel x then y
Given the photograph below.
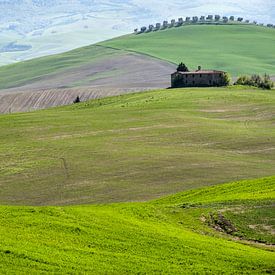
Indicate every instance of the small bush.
{"type": "Point", "coordinates": [256, 81]}
{"type": "Point", "coordinates": [226, 79]}
{"type": "Point", "coordinates": [77, 100]}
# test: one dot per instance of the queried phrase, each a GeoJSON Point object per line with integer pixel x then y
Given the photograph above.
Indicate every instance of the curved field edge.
{"type": "Point", "coordinates": [228, 44]}
{"type": "Point", "coordinates": [244, 190]}
{"type": "Point", "coordinates": [136, 147]}
{"type": "Point", "coordinates": [132, 238]}
{"type": "Point", "coordinates": [22, 73]}
{"type": "Point", "coordinates": [227, 47]}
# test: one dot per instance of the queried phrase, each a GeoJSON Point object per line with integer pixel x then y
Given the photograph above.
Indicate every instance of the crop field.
{"type": "Point", "coordinates": [134, 63]}
{"type": "Point", "coordinates": [227, 49]}
{"type": "Point", "coordinates": [22, 73]}
{"type": "Point", "coordinates": [142, 179]}
{"type": "Point", "coordinates": [102, 67]}
{"type": "Point", "coordinates": [172, 235]}
{"type": "Point", "coordinates": [35, 100]}
{"type": "Point", "coordinates": [136, 147]}
{"type": "Point", "coordinates": [238, 49]}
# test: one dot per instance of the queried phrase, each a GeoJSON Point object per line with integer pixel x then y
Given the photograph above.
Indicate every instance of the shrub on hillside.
{"type": "Point", "coordinates": [226, 79]}
{"type": "Point", "coordinates": [267, 83]}
{"type": "Point", "coordinates": [182, 68]}
{"type": "Point", "coordinates": [77, 100]}
{"type": "Point", "coordinates": [256, 81]}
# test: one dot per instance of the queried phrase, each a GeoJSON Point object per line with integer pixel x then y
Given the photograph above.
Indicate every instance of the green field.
{"type": "Point", "coordinates": [16, 75]}
{"type": "Point", "coordinates": [167, 236]}
{"type": "Point", "coordinates": [131, 149]}
{"type": "Point", "coordinates": [175, 181]}
{"type": "Point", "coordinates": [238, 49]}
{"type": "Point", "coordinates": [136, 147]}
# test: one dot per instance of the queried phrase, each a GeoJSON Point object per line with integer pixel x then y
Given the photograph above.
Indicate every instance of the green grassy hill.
{"type": "Point", "coordinates": [174, 235]}
{"type": "Point", "coordinates": [16, 75]}
{"type": "Point", "coordinates": [238, 49]}
{"type": "Point", "coordinates": [136, 147]}
{"type": "Point", "coordinates": [117, 154]}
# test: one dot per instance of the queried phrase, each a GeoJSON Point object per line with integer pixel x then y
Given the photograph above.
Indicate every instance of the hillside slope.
{"type": "Point", "coordinates": [136, 147]}
{"type": "Point", "coordinates": [92, 66]}
{"type": "Point", "coordinates": [174, 235]}
{"type": "Point", "coordinates": [238, 49]}
{"type": "Point", "coordinates": [235, 48]}
{"type": "Point", "coordinates": [135, 63]}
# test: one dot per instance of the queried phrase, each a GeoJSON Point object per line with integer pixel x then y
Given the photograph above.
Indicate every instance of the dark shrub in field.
{"type": "Point", "coordinates": [226, 79]}
{"type": "Point", "coordinates": [182, 68]}
{"type": "Point", "coordinates": [256, 81]}
{"type": "Point", "coordinates": [77, 100]}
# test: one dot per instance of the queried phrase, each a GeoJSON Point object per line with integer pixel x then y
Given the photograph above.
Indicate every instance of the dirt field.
{"type": "Point", "coordinates": [35, 100]}
{"type": "Point", "coordinates": [124, 73]}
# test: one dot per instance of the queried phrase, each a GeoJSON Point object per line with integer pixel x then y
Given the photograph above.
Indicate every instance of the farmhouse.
{"type": "Point", "coordinates": [198, 78]}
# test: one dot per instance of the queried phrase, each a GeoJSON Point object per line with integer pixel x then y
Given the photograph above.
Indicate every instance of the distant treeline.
{"type": "Point", "coordinates": [210, 19]}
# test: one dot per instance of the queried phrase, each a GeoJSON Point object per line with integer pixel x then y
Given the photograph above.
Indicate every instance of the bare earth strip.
{"type": "Point", "coordinates": [120, 74]}
{"type": "Point", "coordinates": [30, 101]}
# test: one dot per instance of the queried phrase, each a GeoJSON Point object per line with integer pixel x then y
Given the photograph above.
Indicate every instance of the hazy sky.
{"type": "Point", "coordinates": [51, 26]}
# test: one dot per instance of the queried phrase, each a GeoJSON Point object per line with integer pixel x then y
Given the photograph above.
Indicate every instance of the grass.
{"type": "Point", "coordinates": [238, 49]}
{"type": "Point", "coordinates": [136, 147]}
{"type": "Point", "coordinates": [87, 81]}
{"type": "Point", "coordinates": [155, 237]}
{"type": "Point", "coordinates": [32, 70]}
{"type": "Point", "coordinates": [254, 223]}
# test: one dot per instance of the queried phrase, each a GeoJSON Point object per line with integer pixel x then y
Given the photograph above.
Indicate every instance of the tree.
{"type": "Point", "coordinates": [225, 19]}
{"type": "Point", "coordinates": [226, 79]}
{"type": "Point", "coordinates": [77, 100]}
{"type": "Point", "coordinates": [182, 68]}
{"type": "Point", "coordinates": [217, 18]}
{"type": "Point", "coordinates": [267, 83]}
{"type": "Point", "coordinates": [256, 81]}
{"type": "Point", "coordinates": [242, 80]}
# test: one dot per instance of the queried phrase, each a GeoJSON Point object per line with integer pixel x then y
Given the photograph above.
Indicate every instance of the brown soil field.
{"type": "Point", "coordinates": [121, 74]}
{"type": "Point", "coordinates": [25, 101]}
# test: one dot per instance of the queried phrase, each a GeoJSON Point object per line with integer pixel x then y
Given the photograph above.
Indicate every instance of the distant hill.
{"type": "Point", "coordinates": [238, 49]}
{"type": "Point", "coordinates": [139, 62]}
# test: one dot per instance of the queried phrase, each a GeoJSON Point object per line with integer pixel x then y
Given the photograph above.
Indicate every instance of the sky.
{"type": "Point", "coordinates": [32, 28]}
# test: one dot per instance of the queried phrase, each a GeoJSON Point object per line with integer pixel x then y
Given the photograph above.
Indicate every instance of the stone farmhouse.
{"type": "Point", "coordinates": [198, 78]}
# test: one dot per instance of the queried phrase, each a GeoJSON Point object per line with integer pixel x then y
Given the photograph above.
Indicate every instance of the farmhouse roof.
{"type": "Point", "coordinates": [202, 72]}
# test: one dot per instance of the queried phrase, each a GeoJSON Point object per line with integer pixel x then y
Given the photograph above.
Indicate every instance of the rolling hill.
{"type": "Point", "coordinates": [169, 181]}
{"type": "Point", "coordinates": [226, 229]}
{"type": "Point", "coordinates": [136, 147]}
{"type": "Point", "coordinates": [238, 49]}
{"type": "Point", "coordinates": [138, 62]}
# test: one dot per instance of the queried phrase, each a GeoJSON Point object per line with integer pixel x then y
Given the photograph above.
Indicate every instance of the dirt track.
{"type": "Point", "coordinates": [121, 74]}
